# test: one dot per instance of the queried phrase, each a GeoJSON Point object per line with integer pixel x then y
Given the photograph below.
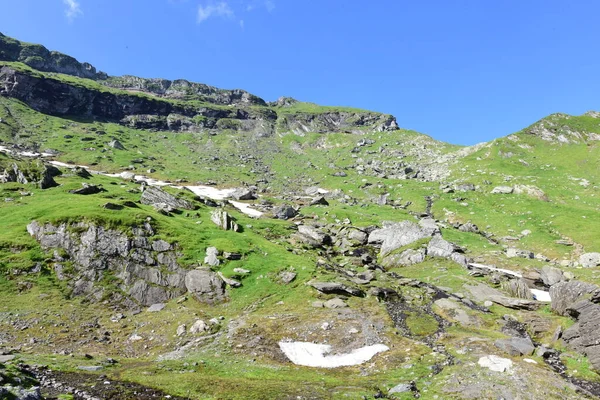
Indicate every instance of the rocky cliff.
{"type": "Point", "coordinates": [143, 270]}
{"type": "Point", "coordinates": [158, 104]}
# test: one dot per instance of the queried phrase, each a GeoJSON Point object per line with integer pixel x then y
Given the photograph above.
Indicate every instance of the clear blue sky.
{"type": "Point", "coordinates": [462, 71]}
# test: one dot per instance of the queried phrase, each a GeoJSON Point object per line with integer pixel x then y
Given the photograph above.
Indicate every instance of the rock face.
{"type": "Point", "coordinates": [44, 178]}
{"type": "Point", "coordinates": [146, 270]}
{"type": "Point", "coordinates": [564, 294]}
{"type": "Point", "coordinates": [155, 196]}
{"type": "Point", "coordinates": [38, 57]}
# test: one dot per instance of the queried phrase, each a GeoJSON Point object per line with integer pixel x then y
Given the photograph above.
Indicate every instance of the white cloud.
{"type": "Point", "coordinates": [242, 23]}
{"type": "Point", "coordinates": [270, 5]}
{"type": "Point", "coordinates": [220, 9]}
{"type": "Point", "coordinates": [73, 9]}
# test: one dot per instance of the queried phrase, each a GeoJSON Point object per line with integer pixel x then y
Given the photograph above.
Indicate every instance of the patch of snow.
{"type": "Point", "coordinates": [495, 363]}
{"type": "Point", "coordinates": [314, 355]}
{"type": "Point", "coordinates": [541, 295]}
{"type": "Point", "coordinates": [505, 271]}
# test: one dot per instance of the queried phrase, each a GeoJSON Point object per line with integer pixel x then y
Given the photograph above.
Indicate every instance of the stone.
{"type": "Point", "coordinates": [212, 257]}
{"type": "Point", "coordinates": [566, 293]}
{"type": "Point", "coordinates": [112, 206]}
{"type": "Point", "coordinates": [551, 275]}
{"type": "Point", "coordinates": [115, 144]}
{"type": "Point", "coordinates": [439, 247]}
{"type": "Point", "coordinates": [153, 195]}
{"type": "Point", "coordinates": [396, 235]}
{"type": "Point", "coordinates": [406, 258]}
{"type": "Point", "coordinates": [589, 260]}
{"type": "Point", "coordinates": [222, 219]}
{"type": "Point", "coordinates": [319, 201]}
{"type": "Point", "coordinates": [313, 235]}
{"type": "Point", "coordinates": [336, 288]}
{"type": "Point", "coordinates": [583, 335]}
{"type": "Point", "coordinates": [6, 358]}
{"type": "Point", "coordinates": [284, 212]}
{"type": "Point", "coordinates": [87, 189]}
{"type": "Point", "coordinates": [161, 246]}
{"type": "Point", "coordinates": [241, 271]}
{"type": "Point", "coordinates": [358, 236]}
{"type": "Point", "coordinates": [90, 368]}
{"type": "Point", "coordinates": [335, 303]}
{"type": "Point", "coordinates": [516, 346]}
{"type": "Point", "coordinates": [181, 330]}
{"type": "Point", "coordinates": [502, 190]}
{"type": "Point", "coordinates": [513, 252]}
{"type": "Point", "coordinates": [495, 363]}
{"type": "Point", "coordinates": [517, 288]}
{"type": "Point", "coordinates": [232, 256]}
{"type": "Point", "coordinates": [199, 327]}
{"type": "Point", "coordinates": [243, 194]}
{"type": "Point", "coordinates": [229, 281]}
{"type": "Point", "coordinates": [156, 307]}
{"type": "Point", "coordinates": [287, 277]}
{"type": "Point", "coordinates": [205, 285]}
{"type": "Point", "coordinates": [401, 388]}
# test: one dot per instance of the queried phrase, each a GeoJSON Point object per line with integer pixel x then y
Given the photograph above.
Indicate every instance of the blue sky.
{"type": "Point", "coordinates": [462, 71]}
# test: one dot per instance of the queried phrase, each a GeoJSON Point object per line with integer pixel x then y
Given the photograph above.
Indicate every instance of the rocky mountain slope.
{"type": "Point", "coordinates": [171, 238]}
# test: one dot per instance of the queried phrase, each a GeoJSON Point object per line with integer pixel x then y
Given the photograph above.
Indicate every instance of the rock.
{"type": "Point", "coordinates": [156, 307]}
{"type": "Point", "coordinates": [396, 235]}
{"type": "Point", "coordinates": [285, 212]}
{"type": "Point", "coordinates": [583, 335]}
{"type": "Point", "coordinates": [286, 277]}
{"type": "Point", "coordinates": [335, 303]}
{"type": "Point", "coordinates": [319, 201]}
{"type": "Point", "coordinates": [81, 172]}
{"type": "Point", "coordinates": [357, 236]}
{"type": "Point", "coordinates": [205, 285]}
{"type": "Point", "coordinates": [517, 288]}
{"type": "Point", "coordinates": [313, 235]}
{"type": "Point", "coordinates": [181, 330]}
{"type": "Point", "coordinates": [404, 259]}
{"type": "Point", "coordinates": [516, 346]}
{"type": "Point", "coordinates": [502, 190]}
{"type": "Point", "coordinates": [212, 257]}
{"type": "Point", "coordinates": [589, 260]}
{"type": "Point", "coordinates": [161, 246]}
{"type": "Point", "coordinates": [513, 252]}
{"type": "Point", "coordinates": [47, 179]}
{"type": "Point", "coordinates": [531, 191]}
{"type": "Point", "coordinates": [241, 271]}
{"type": "Point", "coordinates": [112, 206]}
{"type": "Point", "coordinates": [222, 219]}
{"type": "Point", "coordinates": [439, 247]}
{"type": "Point", "coordinates": [153, 195]}
{"type": "Point", "coordinates": [6, 358]}
{"type": "Point", "coordinates": [566, 293]}
{"type": "Point", "coordinates": [455, 311]}
{"type": "Point", "coordinates": [517, 304]}
{"type": "Point", "coordinates": [199, 327]}
{"type": "Point", "coordinates": [469, 227]}
{"type": "Point", "coordinates": [243, 194]}
{"type": "Point", "coordinates": [336, 288]}
{"type": "Point", "coordinates": [232, 256]}
{"type": "Point", "coordinates": [90, 368]}
{"type": "Point", "coordinates": [551, 276]}
{"type": "Point", "coordinates": [115, 144]}
{"type": "Point", "coordinates": [231, 282]}
{"type": "Point", "coordinates": [495, 363]}
{"type": "Point", "coordinates": [401, 388]}
{"type": "Point", "coordinates": [88, 189]}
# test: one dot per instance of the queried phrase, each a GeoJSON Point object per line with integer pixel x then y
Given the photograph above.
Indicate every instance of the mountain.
{"type": "Point", "coordinates": [173, 238]}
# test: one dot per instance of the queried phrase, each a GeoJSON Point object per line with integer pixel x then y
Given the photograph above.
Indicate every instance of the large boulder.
{"type": "Point", "coordinates": [243, 194]}
{"type": "Point", "coordinates": [205, 285]}
{"type": "Point", "coordinates": [439, 247]}
{"type": "Point", "coordinates": [313, 235]}
{"type": "Point", "coordinates": [336, 288]}
{"type": "Point", "coordinates": [551, 275]}
{"type": "Point", "coordinates": [153, 195]}
{"type": "Point", "coordinates": [564, 294]}
{"type": "Point", "coordinates": [589, 260]}
{"type": "Point", "coordinates": [583, 335]}
{"type": "Point", "coordinates": [516, 346]}
{"type": "Point", "coordinates": [222, 219]}
{"type": "Point", "coordinates": [396, 235]}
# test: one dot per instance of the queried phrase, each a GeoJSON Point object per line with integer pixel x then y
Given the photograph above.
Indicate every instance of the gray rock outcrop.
{"type": "Point", "coordinates": [396, 235]}
{"type": "Point", "coordinates": [153, 196]}
{"type": "Point", "coordinates": [589, 260]}
{"type": "Point", "coordinates": [146, 270]}
{"type": "Point", "coordinates": [205, 285]}
{"type": "Point", "coordinates": [222, 219]}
